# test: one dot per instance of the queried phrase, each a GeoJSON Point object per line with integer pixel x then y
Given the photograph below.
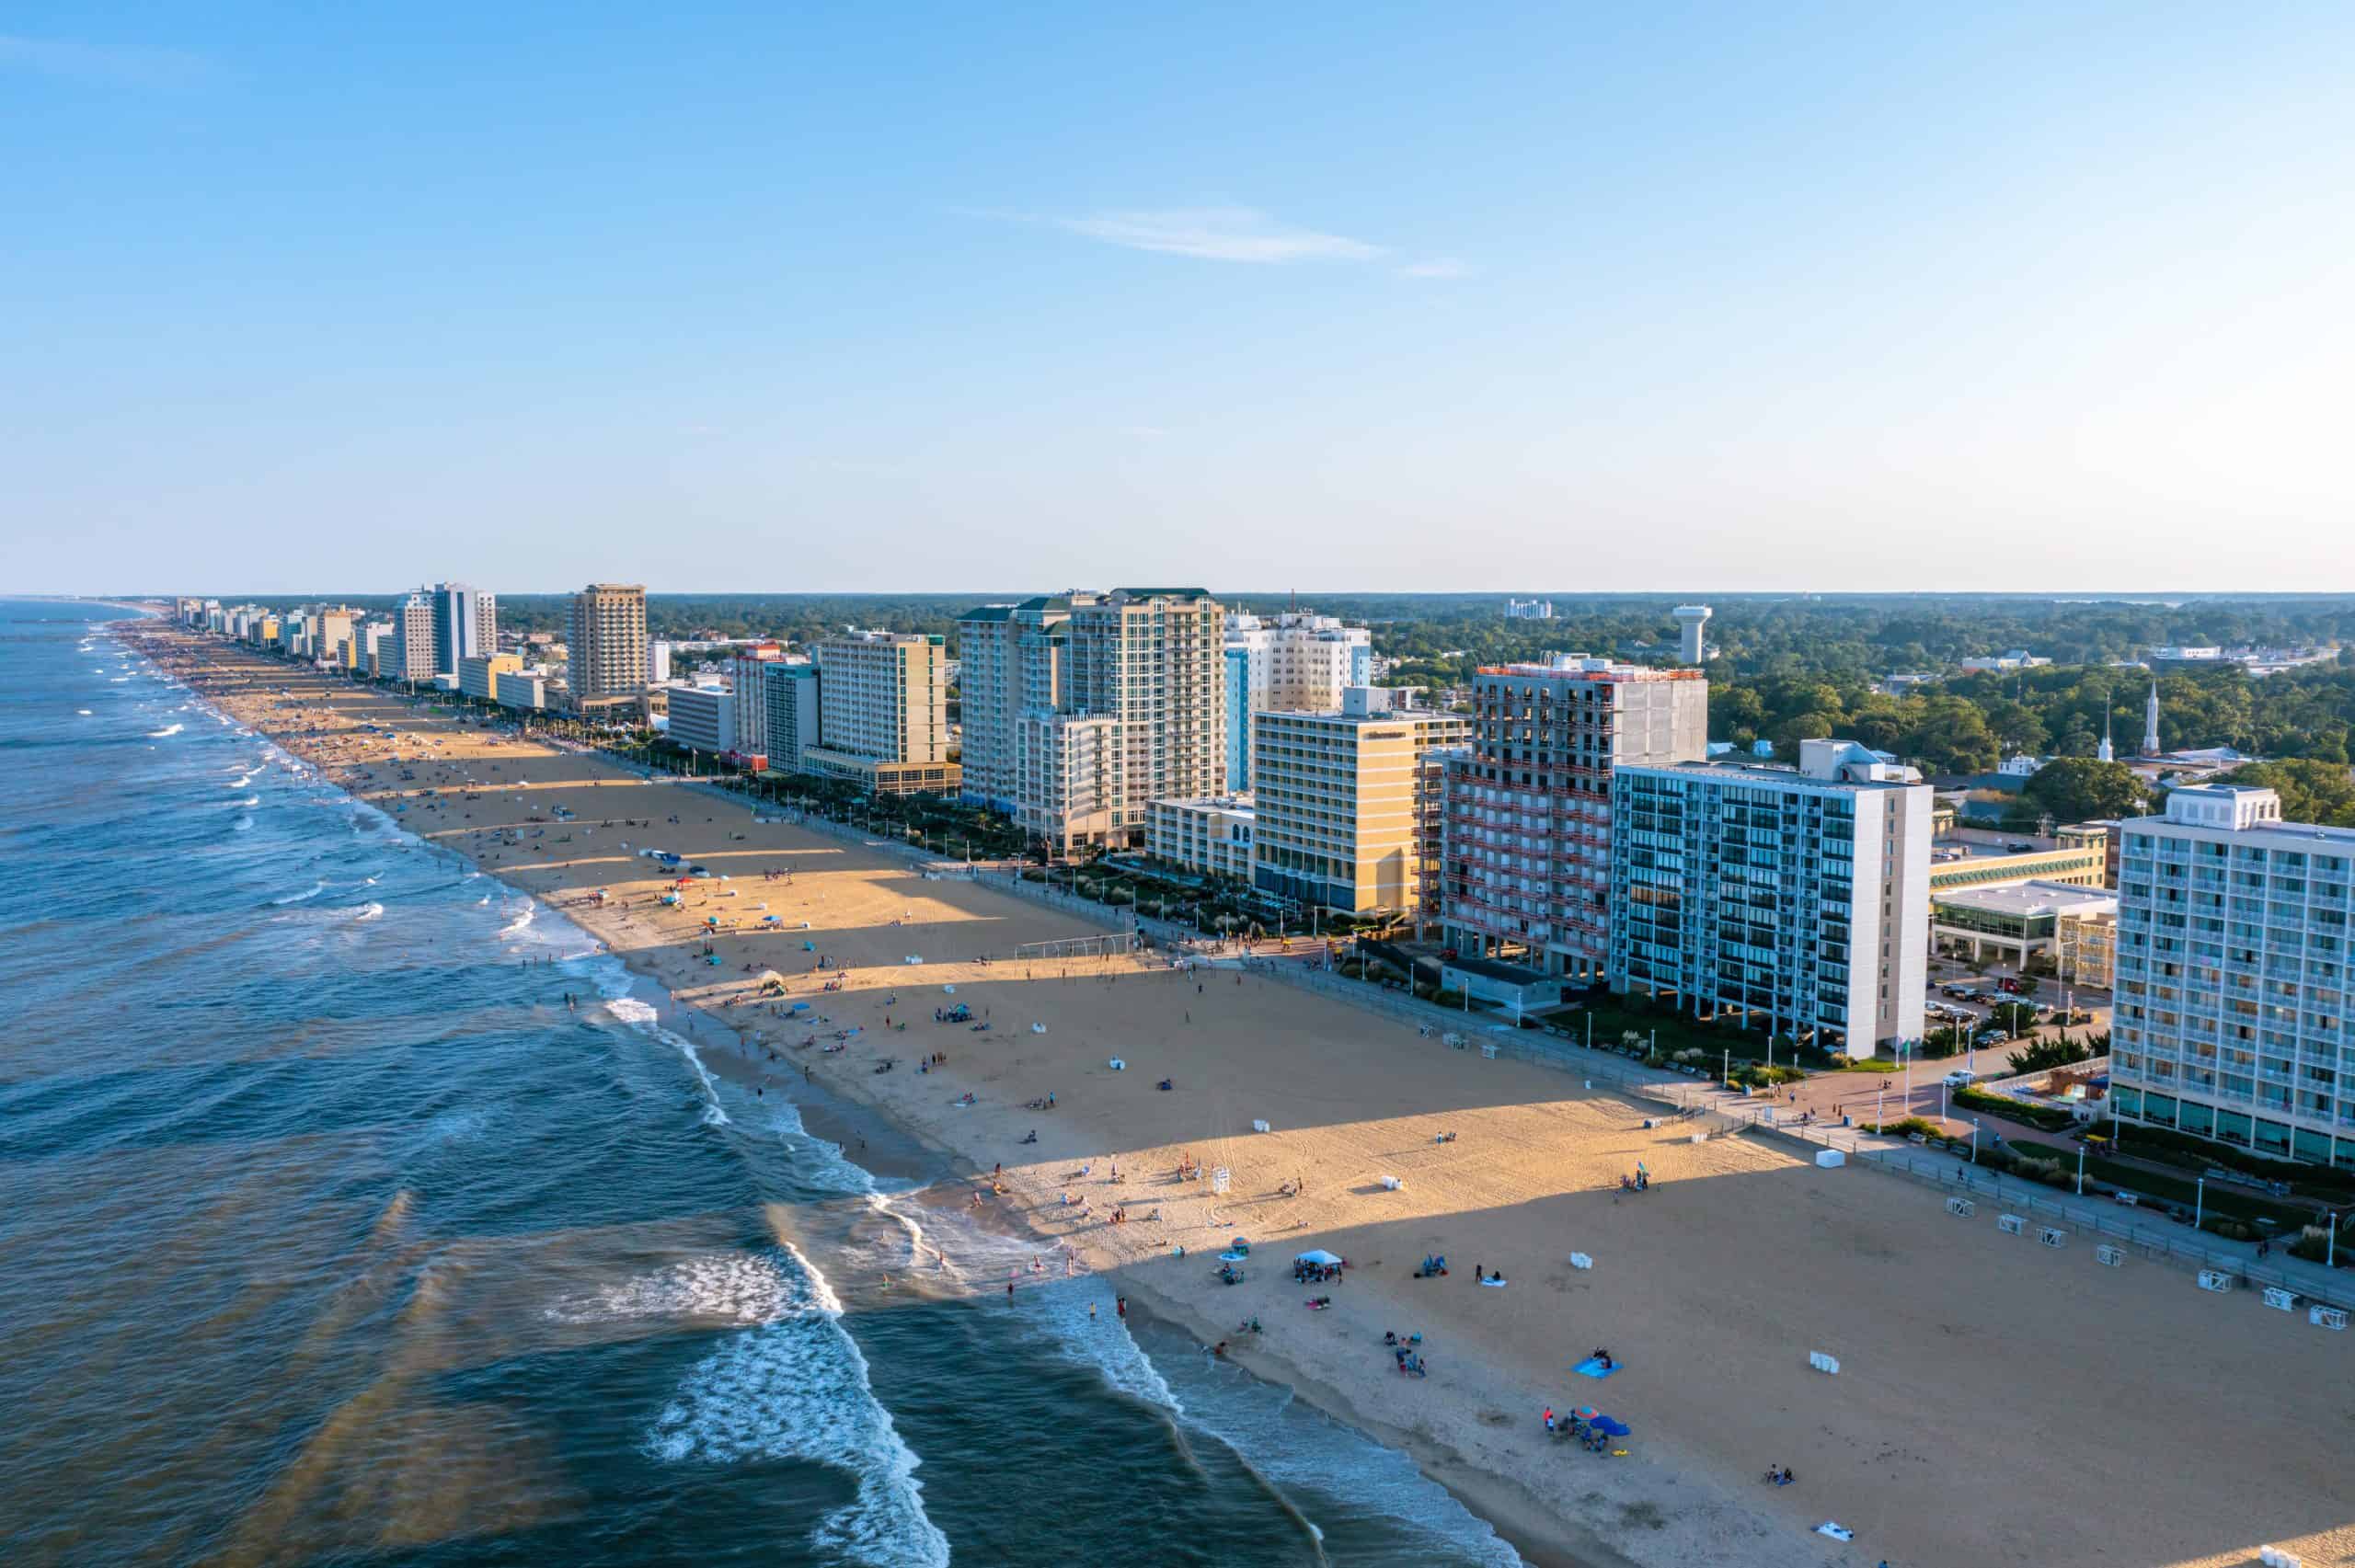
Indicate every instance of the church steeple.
{"type": "Point", "coordinates": [2151, 723]}
{"type": "Point", "coordinates": [2106, 752]}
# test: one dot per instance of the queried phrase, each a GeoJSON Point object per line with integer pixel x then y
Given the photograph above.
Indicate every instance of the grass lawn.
{"type": "Point", "coordinates": [2221, 1200]}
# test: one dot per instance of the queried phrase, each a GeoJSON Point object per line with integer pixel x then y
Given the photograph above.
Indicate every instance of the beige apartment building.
{"type": "Point", "coordinates": [1348, 806]}
{"type": "Point", "coordinates": [1082, 709]}
{"type": "Point", "coordinates": [606, 645]}
{"type": "Point", "coordinates": [883, 714]}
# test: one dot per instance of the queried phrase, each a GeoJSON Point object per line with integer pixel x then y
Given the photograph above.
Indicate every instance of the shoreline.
{"type": "Point", "coordinates": [894, 1150]}
{"type": "Point", "coordinates": [1742, 1256]}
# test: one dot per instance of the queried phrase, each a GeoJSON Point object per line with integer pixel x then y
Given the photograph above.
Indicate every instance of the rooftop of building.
{"type": "Point", "coordinates": [1823, 764]}
{"type": "Point", "coordinates": [1239, 805]}
{"type": "Point", "coordinates": [2031, 897]}
{"type": "Point", "coordinates": [1587, 667]}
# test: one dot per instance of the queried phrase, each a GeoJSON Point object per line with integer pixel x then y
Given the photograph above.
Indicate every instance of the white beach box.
{"type": "Point", "coordinates": [1830, 1159]}
{"type": "Point", "coordinates": [1258, 1126]}
{"type": "Point", "coordinates": [1391, 1183]}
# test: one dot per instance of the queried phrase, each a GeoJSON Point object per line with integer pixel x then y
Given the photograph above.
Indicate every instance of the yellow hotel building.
{"type": "Point", "coordinates": [1347, 805]}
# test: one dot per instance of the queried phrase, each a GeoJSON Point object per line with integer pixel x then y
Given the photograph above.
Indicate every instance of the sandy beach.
{"type": "Point", "coordinates": [1997, 1402]}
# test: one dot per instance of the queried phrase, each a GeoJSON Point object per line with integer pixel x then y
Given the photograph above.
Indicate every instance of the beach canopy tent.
{"type": "Point", "coordinates": [1610, 1426]}
{"type": "Point", "coordinates": [1320, 1257]}
{"type": "Point", "coordinates": [771, 981]}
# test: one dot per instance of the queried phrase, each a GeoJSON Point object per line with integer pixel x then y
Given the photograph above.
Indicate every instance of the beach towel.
{"type": "Point", "coordinates": [1590, 1367]}
{"type": "Point", "coordinates": [1837, 1532]}
{"type": "Point", "coordinates": [1495, 1284]}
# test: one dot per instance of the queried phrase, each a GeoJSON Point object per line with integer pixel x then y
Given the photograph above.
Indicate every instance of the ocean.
{"type": "Point", "coordinates": [328, 1233]}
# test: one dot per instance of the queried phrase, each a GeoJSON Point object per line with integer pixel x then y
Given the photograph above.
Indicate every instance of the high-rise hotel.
{"type": "Point", "coordinates": [2231, 1018]}
{"type": "Point", "coordinates": [1798, 899]}
{"type": "Point", "coordinates": [606, 647]}
{"type": "Point", "coordinates": [1082, 709]}
{"type": "Point", "coordinates": [1525, 864]}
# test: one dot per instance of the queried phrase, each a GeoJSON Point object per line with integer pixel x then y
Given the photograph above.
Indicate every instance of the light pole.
{"type": "Point", "coordinates": [2081, 1169]}
{"type": "Point", "coordinates": [1974, 1141]}
{"type": "Point", "coordinates": [1879, 1120]}
{"type": "Point", "coordinates": [2199, 1201]}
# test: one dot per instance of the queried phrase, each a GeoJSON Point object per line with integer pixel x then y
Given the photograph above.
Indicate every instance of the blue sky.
{"type": "Point", "coordinates": [1369, 297]}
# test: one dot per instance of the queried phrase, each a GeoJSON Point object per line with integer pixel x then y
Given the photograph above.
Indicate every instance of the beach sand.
{"type": "Point", "coordinates": [1998, 1402]}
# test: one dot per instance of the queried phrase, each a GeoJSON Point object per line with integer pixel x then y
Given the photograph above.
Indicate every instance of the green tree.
{"type": "Point", "coordinates": [2321, 793]}
{"type": "Point", "coordinates": [2075, 789]}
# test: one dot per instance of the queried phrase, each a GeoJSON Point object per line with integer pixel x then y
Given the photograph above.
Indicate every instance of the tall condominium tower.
{"type": "Point", "coordinates": [1081, 709]}
{"type": "Point", "coordinates": [606, 647]}
{"type": "Point", "coordinates": [1294, 662]}
{"type": "Point", "coordinates": [883, 712]}
{"type": "Point", "coordinates": [1799, 898]}
{"type": "Point", "coordinates": [465, 624]}
{"type": "Point", "coordinates": [411, 659]}
{"type": "Point", "coordinates": [1526, 861]}
{"type": "Point", "coordinates": [2231, 1020]}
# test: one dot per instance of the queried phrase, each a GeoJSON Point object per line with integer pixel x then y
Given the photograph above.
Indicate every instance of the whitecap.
{"type": "Point", "coordinates": [313, 891]}
{"type": "Point", "coordinates": [167, 731]}
{"type": "Point", "coordinates": [795, 1385]}
{"type": "Point", "coordinates": [366, 913]}
{"type": "Point", "coordinates": [84, 712]}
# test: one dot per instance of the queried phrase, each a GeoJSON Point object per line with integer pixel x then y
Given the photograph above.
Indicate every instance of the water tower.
{"type": "Point", "coordinates": [1692, 618]}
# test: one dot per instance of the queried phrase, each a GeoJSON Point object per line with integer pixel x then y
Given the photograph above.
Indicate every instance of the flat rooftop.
{"type": "Point", "coordinates": [2032, 898]}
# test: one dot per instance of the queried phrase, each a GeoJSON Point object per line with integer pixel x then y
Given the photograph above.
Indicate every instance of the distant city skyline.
{"type": "Point", "coordinates": [2014, 296]}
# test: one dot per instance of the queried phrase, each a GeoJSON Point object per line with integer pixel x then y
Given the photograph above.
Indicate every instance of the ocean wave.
{"type": "Point", "coordinates": [84, 713]}
{"type": "Point", "coordinates": [313, 891]}
{"type": "Point", "coordinates": [367, 913]}
{"type": "Point", "coordinates": [241, 825]}
{"type": "Point", "coordinates": [521, 922]}
{"type": "Point", "coordinates": [795, 1386]}
{"type": "Point", "coordinates": [169, 729]}
{"type": "Point", "coordinates": [641, 1015]}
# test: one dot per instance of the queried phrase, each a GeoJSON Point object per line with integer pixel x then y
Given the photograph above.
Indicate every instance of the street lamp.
{"type": "Point", "coordinates": [1974, 1141]}
{"type": "Point", "coordinates": [2199, 1201]}
{"type": "Point", "coordinates": [2081, 1169]}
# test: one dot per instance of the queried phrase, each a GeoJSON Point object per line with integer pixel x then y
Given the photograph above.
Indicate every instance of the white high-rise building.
{"type": "Point", "coordinates": [1799, 897]}
{"type": "Point", "coordinates": [2231, 1018]}
{"type": "Point", "coordinates": [411, 659]}
{"type": "Point", "coordinates": [703, 718]}
{"type": "Point", "coordinates": [1296, 662]}
{"type": "Point", "coordinates": [465, 625]}
{"type": "Point", "coordinates": [746, 669]}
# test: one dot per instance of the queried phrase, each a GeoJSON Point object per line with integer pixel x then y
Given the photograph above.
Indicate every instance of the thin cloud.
{"type": "Point", "coordinates": [71, 60]}
{"type": "Point", "coordinates": [1439, 266]}
{"type": "Point", "coordinates": [1216, 233]}
{"type": "Point", "coordinates": [1146, 431]}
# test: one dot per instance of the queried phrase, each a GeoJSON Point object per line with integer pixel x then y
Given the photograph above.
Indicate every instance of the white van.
{"type": "Point", "coordinates": [1960, 1077]}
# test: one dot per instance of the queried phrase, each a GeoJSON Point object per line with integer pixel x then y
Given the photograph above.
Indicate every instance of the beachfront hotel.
{"type": "Point", "coordinates": [605, 650]}
{"type": "Point", "coordinates": [883, 712]}
{"type": "Point", "coordinates": [1206, 837]}
{"type": "Point", "coordinates": [747, 669]}
{"type": "Point", "coordinates": [1294, 662]}
{"type": "Point", "coordinates": [1348, 808]}
{"type": "Point", "coordinates": [478, 674]}
{"type": "Point", "coordinates": [465, 625]}
{"type": "Point", "coordinates": [702, 718]}
{"type": "Point", "coordinates": [1798, 899]}
{"type": "Point", "coordinates": [1082, 709]}
{"type": "Point", "coordinates": [2230, 1017]}
{"type": "Point", "coordinates": [411, 657]}
{"type": "Point", "coordinates": [788, 713]}
{"type": "Point", "coordinates": [1525, 860]}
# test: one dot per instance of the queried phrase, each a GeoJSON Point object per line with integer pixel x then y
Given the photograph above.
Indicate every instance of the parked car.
{"type": "Point", "coordinates": [1960, 1077]}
